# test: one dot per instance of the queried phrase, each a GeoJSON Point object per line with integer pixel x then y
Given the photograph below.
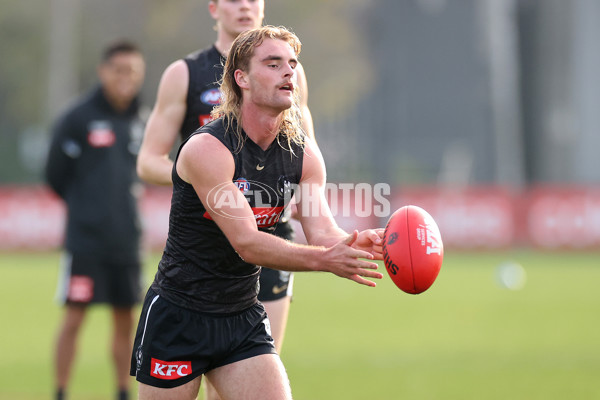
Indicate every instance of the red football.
{"type": "Point", "coordinates": [412, 249]}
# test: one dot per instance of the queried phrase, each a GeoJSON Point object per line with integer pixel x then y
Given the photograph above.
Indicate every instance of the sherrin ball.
{"type": "Point", "coordinates": [412, 249]}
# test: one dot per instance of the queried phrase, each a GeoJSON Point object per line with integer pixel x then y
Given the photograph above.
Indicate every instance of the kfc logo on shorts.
{"type": "Point", "coordinates": [170, 370]}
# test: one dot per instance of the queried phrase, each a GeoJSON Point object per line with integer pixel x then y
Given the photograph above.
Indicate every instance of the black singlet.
{"type": "Point", "coordinates": [199, 269]}
{"type": "Point", "coordinates": [205, 70]}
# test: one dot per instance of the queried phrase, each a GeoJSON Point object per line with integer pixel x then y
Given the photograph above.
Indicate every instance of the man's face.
{"type": "Point", "coordinates": [122, 77]}
{"type": "Point", "coordinates": [237, 16]}
{"type": "Point", "coordinates": [271, 77]}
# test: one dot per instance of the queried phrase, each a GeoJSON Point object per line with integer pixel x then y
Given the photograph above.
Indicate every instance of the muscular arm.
{"type": "Point", "coordinates": [153, 163]}
{"type": "Point", "coordinates": [207, 164]}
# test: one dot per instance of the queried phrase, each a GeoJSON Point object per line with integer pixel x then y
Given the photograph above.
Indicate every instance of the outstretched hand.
{"type": "Point", "coordinates": [345, 259]}
{"type": "Point", "coordinates": [370, 240]}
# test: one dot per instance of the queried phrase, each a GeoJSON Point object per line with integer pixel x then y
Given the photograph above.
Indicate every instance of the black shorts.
{"type": "Point", "coordinates": [110, 279]}
{"type": "Point", "coordinates": [274, 284]}
{"type": "Point", "coordinates": [174, 345]}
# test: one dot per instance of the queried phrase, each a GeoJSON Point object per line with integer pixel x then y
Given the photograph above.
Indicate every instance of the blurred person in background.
{"type": "Point", "coordinates": [201, 315]}
{"type": "Point", "coordinates": [91, 166]}
{"type": "Point", "coordinates": [187, 93]}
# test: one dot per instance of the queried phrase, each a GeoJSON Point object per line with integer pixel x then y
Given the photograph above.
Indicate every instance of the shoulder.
{"type": "Point", "coordinates": [176, 71]}
{"type": "Point", "coordinates": [225, 131]}
{"type": "Point", "coordinates": [202, 142]}
{"type": "Point", "coordinates": [174, 83]}
{"type": "Point", "coordinates": [203, 154]}
{"type": "Point", "coordinates": [77, 112]}
{"type": "Point", "coordinates": [204, 58]}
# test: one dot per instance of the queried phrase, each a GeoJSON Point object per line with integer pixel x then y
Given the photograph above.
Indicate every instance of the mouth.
{"type": "Point", "coordinates": [288, 87]}
{"type": "Point", "coordinates": [245, 20]}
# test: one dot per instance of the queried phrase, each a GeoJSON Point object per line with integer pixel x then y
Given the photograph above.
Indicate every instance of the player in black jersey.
{"type": "Point", "coordinates": [201, 315]}
{"type": "Point", "coordinates": [187, 93]}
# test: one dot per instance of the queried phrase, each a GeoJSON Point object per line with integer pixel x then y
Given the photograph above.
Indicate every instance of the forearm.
{"type": "Point", "coordinates": [325, 237]}
{"type": "Point", "coordinates": [341, 259]}
{"type": "Point", "coordinates": [155, 169]}
{"type": "Point", "coordinates": [273, 252]}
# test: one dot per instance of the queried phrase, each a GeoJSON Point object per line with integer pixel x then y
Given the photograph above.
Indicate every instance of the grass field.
{"type": "Point", "coordinates": [465, 338]}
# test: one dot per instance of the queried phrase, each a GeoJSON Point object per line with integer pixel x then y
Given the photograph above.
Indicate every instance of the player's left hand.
{"type": "Point", "coordinates": [371, 240]}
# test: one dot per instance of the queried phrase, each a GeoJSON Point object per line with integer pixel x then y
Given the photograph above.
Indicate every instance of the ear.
{"type": "Point", "coordinates": [241, 79]}
{"type": "Point", "coordinates": [212, 9]}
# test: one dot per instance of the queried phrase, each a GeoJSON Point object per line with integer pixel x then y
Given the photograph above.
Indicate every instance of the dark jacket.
{"type": "Point", "coordinates": [91, 166]}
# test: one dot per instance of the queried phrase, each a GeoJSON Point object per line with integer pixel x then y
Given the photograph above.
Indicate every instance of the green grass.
{"type": "Point", "coordinates": [465, 338]}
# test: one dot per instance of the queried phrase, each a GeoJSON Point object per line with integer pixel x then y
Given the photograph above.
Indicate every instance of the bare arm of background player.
{"type": "Point", "coordinates": [153, 163]}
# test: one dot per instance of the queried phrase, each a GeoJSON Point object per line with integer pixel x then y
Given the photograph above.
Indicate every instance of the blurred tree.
{"type": "Point", "coordinates": [22, 80]}
{"type": "Point", "coordinates": [412, 74]}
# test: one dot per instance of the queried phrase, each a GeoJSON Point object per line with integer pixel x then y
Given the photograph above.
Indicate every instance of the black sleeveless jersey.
{"type": "Point", "coordinates": [199, 268]}
{"type": "Point", "coordinates": [205, 70]}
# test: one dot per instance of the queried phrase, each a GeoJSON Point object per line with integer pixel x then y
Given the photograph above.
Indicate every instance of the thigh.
{"type": "Point", "coordinates": [188, 391]}
{"type": "Point", "coordinates": [123, 319]}
{"type": "Point", "coordinates": [258, 378]}
{"type": "Point", "coordinates": [278, 311]}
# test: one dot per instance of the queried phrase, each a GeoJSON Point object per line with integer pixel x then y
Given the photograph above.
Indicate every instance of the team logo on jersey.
{"type": "Point", "coordinates": [284, 187]}
{"type": "Point", "coordinates": [264, 201]}
{"type": "Point", "coordinates": [242, 184]}
{"type": "Point", "coordinates": [212, 97]}
{"type": "Point", "coordinates": [170, 370]}
{"type": "Point", "coordinates": [101, 134]}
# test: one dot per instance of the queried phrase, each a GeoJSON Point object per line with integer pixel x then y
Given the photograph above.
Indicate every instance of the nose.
{"type": "Point", "coordinates": [288, 70]}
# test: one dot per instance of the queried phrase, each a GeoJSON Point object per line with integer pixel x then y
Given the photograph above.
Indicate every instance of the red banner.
{"type": "Point", "coordinates": [550, 217]}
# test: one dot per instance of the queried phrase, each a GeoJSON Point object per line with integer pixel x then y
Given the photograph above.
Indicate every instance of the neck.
{"type": "Point", "coordinates": [118, 104]}
{"type": "Point", "coordinates": [224, 42]}
{"type": "Point", "coordinates": [260, 126]}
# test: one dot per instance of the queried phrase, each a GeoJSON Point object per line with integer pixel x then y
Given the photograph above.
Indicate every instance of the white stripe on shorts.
{"type": "Point", "coordinates": [64, 276]}
{"type": "Point", "coordinates": [148, 315]}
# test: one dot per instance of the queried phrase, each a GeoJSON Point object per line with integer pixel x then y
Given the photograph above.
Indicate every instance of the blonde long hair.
{"type": "Point", "coordinates": [239, 57]}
